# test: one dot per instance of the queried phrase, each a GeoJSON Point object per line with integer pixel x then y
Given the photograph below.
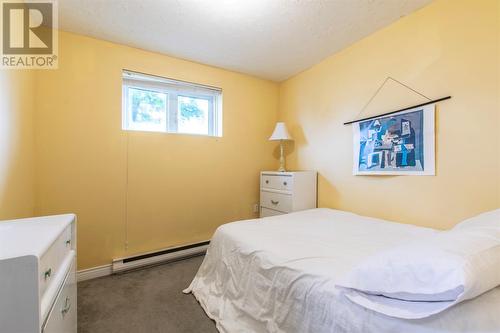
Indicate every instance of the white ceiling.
{"type": "Point", "coordinates": [272, 39]}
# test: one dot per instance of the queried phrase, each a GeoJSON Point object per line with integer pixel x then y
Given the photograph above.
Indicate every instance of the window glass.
{"type": "Point", "coordinates": [147, 110]}
{"type": "Point", "coordinates": [193, 115]}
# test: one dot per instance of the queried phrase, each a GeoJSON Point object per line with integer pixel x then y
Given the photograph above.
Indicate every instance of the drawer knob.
{"type": "Point", "coordinates": [68, 242]}
{"type": "Point", "coordinates": [67, 306]}
{"type": "Point", "coordinates": [275, 202]}
{"type": "Point", "coordinates": [284, 183]}
{"type": "Point", "coordinates": [47, 273]}
{"type": "Point", "coordinates": [267, 181]}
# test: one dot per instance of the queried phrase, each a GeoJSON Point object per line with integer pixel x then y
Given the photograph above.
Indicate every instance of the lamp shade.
{"type": "Point", "coordinates": [280, 133]}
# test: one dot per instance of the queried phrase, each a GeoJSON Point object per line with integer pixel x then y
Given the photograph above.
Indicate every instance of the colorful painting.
{"type": "Point", "coordinates": [396, 144]}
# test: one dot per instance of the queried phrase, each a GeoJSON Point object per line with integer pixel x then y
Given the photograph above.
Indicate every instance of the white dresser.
{"type": "Point", "coordinates": [285, 192]}
{"type": "Point", "coordinates": [38, 275]}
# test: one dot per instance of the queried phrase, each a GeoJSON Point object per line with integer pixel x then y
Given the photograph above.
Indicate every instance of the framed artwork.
{"type": "Point", "coordinates": [402, 143]}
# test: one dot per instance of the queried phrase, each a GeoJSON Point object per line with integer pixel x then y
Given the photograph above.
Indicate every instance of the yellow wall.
{"type": "Point", "coordinates": [156, 190]}
{"type": "Point", "coordinates": [447, 48]}
{"type": "Point", "coordinates": [17, 193]}
{"type": "Point", "coordinates": [180, 187]}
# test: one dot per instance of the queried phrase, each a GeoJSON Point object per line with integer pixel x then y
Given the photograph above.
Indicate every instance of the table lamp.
{"type": "Point", "coordinates": [281, 133]}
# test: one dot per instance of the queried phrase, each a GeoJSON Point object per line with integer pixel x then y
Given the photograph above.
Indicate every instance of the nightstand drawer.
{"type": "Point", "coordinates": [275, 182]}
{"type": "Point", "coordinates": [265, 212]}
{"type": "Point", "coordinates": [276, 201]}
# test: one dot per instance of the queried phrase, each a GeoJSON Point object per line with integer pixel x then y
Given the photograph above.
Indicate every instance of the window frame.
{"type": "Point", "coordinates": [173, 89]}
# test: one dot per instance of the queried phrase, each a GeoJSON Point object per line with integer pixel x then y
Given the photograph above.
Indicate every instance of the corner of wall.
{"type": "Point", "coordinates": [17, 178]}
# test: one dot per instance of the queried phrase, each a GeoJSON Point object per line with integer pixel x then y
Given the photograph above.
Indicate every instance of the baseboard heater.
{"type": "Point", "coordinates": [161, 256]}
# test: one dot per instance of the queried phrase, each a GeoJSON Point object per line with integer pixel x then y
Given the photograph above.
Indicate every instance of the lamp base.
{"type": "Point", "coordinates": [282, 158]}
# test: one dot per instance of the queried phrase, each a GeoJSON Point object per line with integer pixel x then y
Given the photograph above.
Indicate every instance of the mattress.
{"type": "Point", "coordinates": [278, 274]}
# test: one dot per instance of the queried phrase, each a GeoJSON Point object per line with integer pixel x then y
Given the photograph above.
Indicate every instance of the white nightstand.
{"type": "Point", "coordinates": [285, 192]}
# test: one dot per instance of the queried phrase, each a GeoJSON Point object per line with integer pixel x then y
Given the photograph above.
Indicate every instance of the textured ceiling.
{"type": "Point", "coordinates": [272, 39]}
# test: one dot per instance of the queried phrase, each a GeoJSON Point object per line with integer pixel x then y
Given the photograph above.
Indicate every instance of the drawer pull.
{"type": "Point", "coordinates": [47, 273]}
{"type": "Point", "coordinates": [275, 202]}
{"type": "Point", "coordinates": [267, 181]}
{"type": "Point", "coordinates": [68, 242]}
{"type": "Point", "coordinates": [67, 306]}
{"type": "Point", "coordinates": [284, 183]}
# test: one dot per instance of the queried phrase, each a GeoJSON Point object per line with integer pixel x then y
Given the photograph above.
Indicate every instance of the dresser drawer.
{"type": "Point", "coordinates": [265, 212]}
{"type": "Point", "coordinates": [50, 262]}
{"type": "Point", "coordinates": [62, 316]}
{"type": "Point", "coordinates": [276, 182]}
{"type": "Point", "coordinates": [276, 201]}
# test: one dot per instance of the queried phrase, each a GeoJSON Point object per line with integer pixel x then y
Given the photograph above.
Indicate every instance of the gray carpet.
{"type": "Point", "coordinates": [147, 300]}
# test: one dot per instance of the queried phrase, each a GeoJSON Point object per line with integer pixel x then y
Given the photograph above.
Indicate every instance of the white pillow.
{"type": "Point", "coordinates": [489, 219]}
{"type": "Point", "coordinates": [428, 275]}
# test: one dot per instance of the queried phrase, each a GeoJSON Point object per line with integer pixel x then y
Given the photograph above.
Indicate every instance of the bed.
{"type": "Point", "coordinates": [278, 274]}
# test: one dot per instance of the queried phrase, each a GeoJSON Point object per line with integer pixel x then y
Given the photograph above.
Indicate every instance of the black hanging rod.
{"type": "Point", "coordinates": [392, 112]}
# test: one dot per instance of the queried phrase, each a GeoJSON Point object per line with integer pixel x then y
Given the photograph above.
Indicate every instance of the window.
{"type": "Point", "coordinates": [156, 104]}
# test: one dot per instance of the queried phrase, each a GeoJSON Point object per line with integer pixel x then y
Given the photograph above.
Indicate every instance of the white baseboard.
{"type": "Point", "coordinates": [92, 273]}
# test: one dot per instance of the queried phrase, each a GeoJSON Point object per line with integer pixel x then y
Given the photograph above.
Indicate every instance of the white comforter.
{"type": "Point", "coordinates": [278, 274]}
